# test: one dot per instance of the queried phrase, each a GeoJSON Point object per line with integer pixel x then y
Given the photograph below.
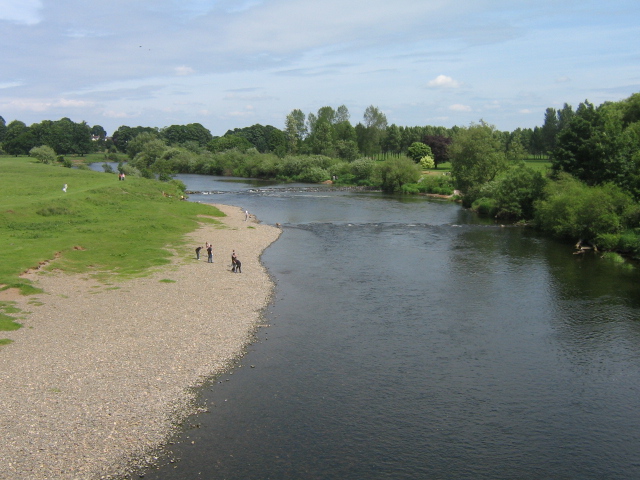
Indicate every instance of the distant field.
{"type": "Point", "coordinates": [100, 225]}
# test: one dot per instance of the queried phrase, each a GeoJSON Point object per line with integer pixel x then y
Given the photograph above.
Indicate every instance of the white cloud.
{"type": "Point", "coordinates": [25, 12]}
{"type": "Point", "coordinates": [443, 81]}
{"type": "Point", "coordinates": [525, 111]}
{"type": "Point", "coordinates": [458, 107]}
{"type": "Point", "coordinates": [183, 70]}
{"type": "Point", "coordinates": [37, 105]}
{"type": "Point", "coordinates": [563, 79]}
{"type": "Point", "coordinates": [9, 85]}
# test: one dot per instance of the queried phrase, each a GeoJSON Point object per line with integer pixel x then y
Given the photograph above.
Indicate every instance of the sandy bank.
{"type": "Point", "coordinates": [99, 373]}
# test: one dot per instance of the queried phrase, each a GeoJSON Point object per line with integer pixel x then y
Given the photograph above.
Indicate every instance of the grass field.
{"type": "Point", "coordinates": [100, 225]}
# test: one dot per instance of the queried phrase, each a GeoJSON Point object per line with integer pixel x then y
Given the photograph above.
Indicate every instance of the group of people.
{"type": "Point", "coordinates": [121, 176]}
{"type": "Point", "coordinates": [236, 264]}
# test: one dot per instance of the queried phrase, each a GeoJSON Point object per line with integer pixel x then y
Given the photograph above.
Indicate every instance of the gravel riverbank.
{"type": "Point", "coordinates": [99, 374]}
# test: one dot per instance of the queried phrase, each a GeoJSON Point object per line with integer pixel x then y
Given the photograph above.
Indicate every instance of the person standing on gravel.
{"type": "Point", "coordinates": [209, 253]}
{"type": "Point", "coordinates": [198, 248]}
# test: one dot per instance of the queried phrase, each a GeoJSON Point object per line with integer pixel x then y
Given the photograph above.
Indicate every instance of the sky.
{"type": "Point", "coordinates": [233, 63]}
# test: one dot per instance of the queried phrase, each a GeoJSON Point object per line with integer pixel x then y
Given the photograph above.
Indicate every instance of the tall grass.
{"type": "Point", "coordinates": [100, 225]}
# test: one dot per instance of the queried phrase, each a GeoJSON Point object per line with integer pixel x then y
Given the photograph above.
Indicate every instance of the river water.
{"type": "Point", "coordinates": [409, 339]}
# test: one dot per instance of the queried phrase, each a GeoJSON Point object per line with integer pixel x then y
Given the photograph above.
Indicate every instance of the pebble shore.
{"type": "Point", "coordinates": [100, 374]}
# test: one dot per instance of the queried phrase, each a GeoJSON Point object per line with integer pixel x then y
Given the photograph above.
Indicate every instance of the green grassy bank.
{"type": "Point", "coordinates": [100, 225]}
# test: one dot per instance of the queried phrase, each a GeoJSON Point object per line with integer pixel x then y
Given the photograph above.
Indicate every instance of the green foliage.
{"type": "Point", "coordinates": [437, 184]}
{"type": "Point", "coordinates": [418, 150]}
{"type": "Point", "coordinates": [513, 194]}
{"type": "Point", "coordinates": [573, 210]}
{"type": "Point", "coordinates": [485, 206]}
{"type": "Point", "coordinates": [427, 162]}
{"type": "Point", "coordinates": [44, 154]}
{"type": "Point", "coordinates": [600, 145]}
{"type": "Point", "coordinates": [228, 142]}
{"type": "Point", "coordinates": [478, 155]}
{"type": "Point", "coordinates": [396, 172]}
{"type": "Point", "coordinates": [100, 225]}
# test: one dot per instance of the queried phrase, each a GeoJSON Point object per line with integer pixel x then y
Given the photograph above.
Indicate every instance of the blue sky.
{"type": "Point", "coordinates": [234, 63]}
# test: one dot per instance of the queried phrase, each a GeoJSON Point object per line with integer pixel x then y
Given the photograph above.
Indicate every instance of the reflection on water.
{"type": "Point", "coordinates": [411, 340]}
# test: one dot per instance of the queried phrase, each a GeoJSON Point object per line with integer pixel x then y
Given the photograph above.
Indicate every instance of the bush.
{"type": "Point", "coordinates": [485, 206]}
{"type": "Point", "coordinates": [313, 175]}
{"type": "Point", "coordinates": [43, 153]}
{"type": "Point", "coordinates": [410, 188]}
{"type": "Point", "coordinates": [438, 184]}
{"type": "Point", "coordinates": [571, 209]}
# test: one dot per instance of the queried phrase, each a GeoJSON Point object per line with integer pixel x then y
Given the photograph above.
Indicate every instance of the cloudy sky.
{"type": "Point", "coordinates": [234, 63]}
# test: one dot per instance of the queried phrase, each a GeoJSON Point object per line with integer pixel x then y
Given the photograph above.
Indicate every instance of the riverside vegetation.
{"type": "Point", "coordinates": [100, 225]}
{"type": "Point", "coordinates": [577, 177]}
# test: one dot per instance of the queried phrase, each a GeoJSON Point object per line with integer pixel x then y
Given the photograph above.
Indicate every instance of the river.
{"type": "Point", "coordinates": [409, 339]}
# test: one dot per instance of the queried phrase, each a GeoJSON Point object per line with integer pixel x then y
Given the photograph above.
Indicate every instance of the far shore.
{"type": "Point", "coordinates": [100, 375]}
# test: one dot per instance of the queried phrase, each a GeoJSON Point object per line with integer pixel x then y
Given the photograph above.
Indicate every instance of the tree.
{"type": "Point", "coordinates": [181, 134]}
{"type": "Point", "coordinates": [396, 172]}
{"type": "Point", "coordinates": [347, 150]}
{"type": "Point", "coordinates": [550, 129]}
{"type": "Point", "coordinates": [18, 139]}
{"type": "Point", "coordinates": [427, 162]}
{"type": "Point", "coordinates": [3, 129]}
{"type": "Point", "coordinates": [99, 132]}
{"type": "Point", "coordinates": [439, 145]}
{"type": "Point", "coordinates": [417, 150]}
{"type": "Point", "coordinates": [342, 114]}
{"type": "Point", "coordinates": [477, 156]}
{"type": "Point", "coordinates": [44, 154]}
{"type": "Point", "coordinates": [291, 132]}
{"type": "Point", "coordinates": [375, 123]}
{"type": "Point", "coordinates": [393, 140]}
{"type": "Point", "coordinates": [598, 147]}
{"type": "Point", "coordinates": [228, 142]}
{"type": "Point", "coordinates": [322, 141]}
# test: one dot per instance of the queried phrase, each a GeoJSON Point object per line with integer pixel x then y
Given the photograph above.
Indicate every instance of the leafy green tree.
{"type": "Point", "coordinates": [513, 194]}
{"type": "Point", "coordinates": [291, 132]}
{"type": "Point", "coordinates": [573, 210]}
{"type": "Point", "coordinates": [18, 139]}
{"type": "Point", "coordinates": [418, 150]}
{"type": "Point", "coordinates": [3, 129]}
{"type": "Point", "coordinates": [347, 150]}
{"type": "Point", "coordinates": [99, 131]}
{"type": "Point", "coordinates": [396, 172]}
{"type": "Point", "coordinates": [124, 134]}
{"type": "Point", "coordinates": [427, 162]}
{"type": "Point", "coordinates": [328, 114]}
{"type": "Point", "coordinates": [322, 141]}
{"type": "Point", "coordinates": [181, 134]}
{"type": "Point", "coordinates": [228, 142]}
{"type": "Point", "coordinates": [550, 129]}
{"type": "Point", "coordinates": [342, 114]}
{"type": "Point", "coordinates": [344, 131]}
{"type": "Point", "coordinates": [393, 140]}
{"type": "Point", "coordinates": [477, 156]}
{"type": "Point", "coordinates": [44, 154]}
{"type": "Point", "coordinates": [375, 123]}
{"type": "Point", "coordinates": [598, 147]}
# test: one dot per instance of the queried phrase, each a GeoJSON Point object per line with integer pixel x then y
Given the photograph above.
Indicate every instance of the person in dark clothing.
{"type": "Point", "coordinates": [237, 265]}
{"type": "Point", "coordinates": [210, 253]}
{"type": "Point", "coordinates": [198, 252]}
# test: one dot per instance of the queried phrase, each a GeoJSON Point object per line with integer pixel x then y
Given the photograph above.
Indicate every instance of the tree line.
{"type": "Point", "coordinates": [590, 193]}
